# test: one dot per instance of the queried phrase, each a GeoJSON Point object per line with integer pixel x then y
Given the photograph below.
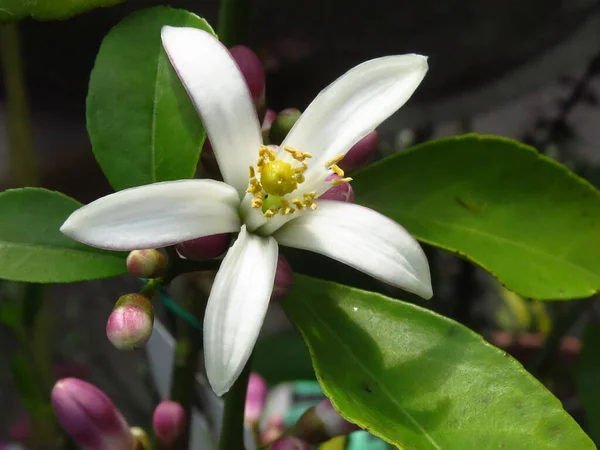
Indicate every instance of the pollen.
{"type": "Point", "coordinates": [338, 181]}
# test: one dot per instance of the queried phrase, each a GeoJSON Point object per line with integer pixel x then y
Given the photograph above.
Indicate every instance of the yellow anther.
{"type": "Point", "coordinates": [300, 178]}
{"type": "Point", "coordinates": [310, 195]}
{"type": "Point", "coordinates": [269, 213]}
{"type": "Point", "coordinates": [252, 173]}
{"type": "Point", "coordinates": [257, 202]}
{"type": "Point", "coordinates": [298, 203]}
{"type": "Point", "coordinates": [301, 169]}
{"type": "Point", "coordinates": [313, 206]}
{"type": "Point", "coordinates": [339, 172]}
{"type": "Point", "coordinates": [338, 181]}
{"type": "Point", "coordinates": [297, 154]}
{"type": "Point", "coordinates": [333, 161]}
{"type": "Point", "coordinates": [265, 152]}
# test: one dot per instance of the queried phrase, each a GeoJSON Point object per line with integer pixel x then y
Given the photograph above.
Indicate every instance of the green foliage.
{"type": "Point", "coordinates": [48, 9]}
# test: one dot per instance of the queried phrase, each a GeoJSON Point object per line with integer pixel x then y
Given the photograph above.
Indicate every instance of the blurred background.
{"type": "Point", "coordinates": [525, 69]}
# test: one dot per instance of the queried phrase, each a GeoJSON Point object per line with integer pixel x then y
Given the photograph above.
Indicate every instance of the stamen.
{"type": "Point", "coordinates": [298, 203]}
{"type": "Point", "coordinates": [338, 181]}
{"type": "Point", "coordinates": [252, 173]}
{"type": "Point", "coordinates": [333, 161]}
{"type": "Point", "coordinates": [300, 178]}
{"type": "Point", "coordinates": [297, 154]}
{"type": "Point", "coordinates": [339, 172]}
{"type": "Point", "coordinates": [257, 203]}
{"type": "Point", "coordinates": [270, 213]}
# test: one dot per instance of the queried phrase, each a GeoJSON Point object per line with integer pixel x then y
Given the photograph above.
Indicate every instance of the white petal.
{"type": "Point", "coordinates": [363, 239]}
{"type": "Point", "coordinates": [156, 215]}
{"type": "Point", "coordinates": [220, 94]}
{"type": "Point", "coordinates": [354, 105]}
{"type": "Point", "coordinates": [237, 306]}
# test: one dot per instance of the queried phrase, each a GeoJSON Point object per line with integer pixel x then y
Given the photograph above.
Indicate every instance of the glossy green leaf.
{"type": "Point", "coordinates": [518, 214]}
{"type": "Point", "coordinates": [48, 9]}
{"type": "Point", "coordinates": [33, 249]}
{"type": "Point", "coordinates": [587, 376]}
{"type": "Point", "coordinates": [142, 125]}
{"type": "Point", "coordinates": [422, 381]}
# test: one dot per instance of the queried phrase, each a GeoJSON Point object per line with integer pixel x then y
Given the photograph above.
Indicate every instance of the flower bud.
{"type": "Point", "coordinates": [289, 443]}
{"type": "Point", "coordinates": [255, 399]}
{"type": "Point", "coordinates": [273, 429]}
{"type": "Point", "coordinates": [146, 263]}
{"type": "Point", "coordinates": [141, 439]}
{"type": "Point", "coordinates": [341, 192]}
{"type": "Point", "coordinates": [361, 154]}
{"type": "Point", "coordinates": [284, 276]}
{"type": "Point", "coordinates": [205, 248]}
{"type": "Point", "coordinates": [89, 417]}
{"type": "Point", "coordinates": [321, 423]}
{"type": "Point", "coordinates": [168, 421]}
{"type": "Point", "coordinates": [253, 72]}
{"type": "Point", "coordinates": [283, 124]}
{"type": "Point", "coordinates": [267, 122]}
{"type": "Point", "coordinates": [129, 326]}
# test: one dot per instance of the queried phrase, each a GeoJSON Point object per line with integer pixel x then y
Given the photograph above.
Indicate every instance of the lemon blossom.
{"type": "Point", "coordinates": [270, 196]}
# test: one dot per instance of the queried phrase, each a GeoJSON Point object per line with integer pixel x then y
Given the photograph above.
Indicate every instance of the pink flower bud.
{"type": "Point", "coordinates": [321, 423]}
{"type": "Point", "coordinates": [284, 276]}
{"type": "Point", "coordinates": [361, 154]}
{"type": "Point", "coordinates": [283, 124]}
{"type": "Point", "coordinates": [253, 71]}
{"type": "Point", "coordinates": [255, 399]}
{"type": "Point", "coordinates": [89, 417]}
{"type": "Point", "coordinates": [146, 263]}
{"type": "Point", "coordinates": [273, 429]}
{"type": "Point", "coordinates": [129, 326]}
{"type": "Point", "coordinates": [206, 247]}
{"type": "Point", "coordinates": [267, 122]}
{"type": "Point", "coordinates": [341, 192]}
{"type": "Point", "coordinates": [169, 422]}
{"type": "Point", "coordinates": [289, 443]}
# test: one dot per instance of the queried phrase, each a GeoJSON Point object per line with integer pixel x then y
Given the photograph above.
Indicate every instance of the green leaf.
{"type": "Point", "coordinates": [141, 122]}
{"type": "Point", "coordinates": [518, 214]}
{"type": "Point", "coordinates": [48, 9]}
{"type": "Point", "coordinates": [587, 376]}
{"type": "Point", "coordinates": [33, 249]}
{"type": "Point", "coordinates": [422, 381]}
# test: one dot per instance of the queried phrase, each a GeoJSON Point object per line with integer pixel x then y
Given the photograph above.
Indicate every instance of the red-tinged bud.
{"type": "Point", "coordinates": [361, 154]}
{"type": "Point", "coordinates": [253, 72]}
{"type": "Point", "coordinates": [168, 421]}
{"type": "Point", "coordinates": [267, 122]}
{"type": "Point", "coordinates": [130, 324]}
{"type": "Point", "coordinates": [89, 416]}
{"type": "Point", "coordinates": [341, 192]}
{"type": "Point", "coordinates": [146, 263]}
{"type": "Point", "coordinates": [255, 399]}
{"type": "Point", "coordinates": [289, 443]}
{"type": "Point", "coordinates": [321, 423]}
{"type": "Point", "coordinates": [205, 248]}
{"type": "Point", "coordinates": [272, 430]}
{"type": "Point", "coordinates": [283, 124]}
{"type": "Point", "coordinates": [284, 276]}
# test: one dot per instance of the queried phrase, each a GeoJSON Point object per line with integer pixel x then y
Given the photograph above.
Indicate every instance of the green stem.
{"type": "Point", "coordinates": [233, 21]}
{"type": "Point", "coordinates": [543, 360]}
{"type": "Point", "coordinates": [232, 432]}
{"type": "Point", "coordinates": [22, 158]}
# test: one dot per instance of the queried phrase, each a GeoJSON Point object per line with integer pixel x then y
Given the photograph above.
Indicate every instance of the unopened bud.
{"type": "Point", "coordinates": [253, 72]}
{"type": "Point", "coordinates": [273, 429]}
{"type": "Point", "coordinates": [168, 421]}
{"type": "Point", "coordinates": [284, 276]}
{"type": "Point", "coordinates": [89, 416]}
{"type": "Point", "coordinates": [290, 443]}
{"type": "Point", "coordinates": [146, 263]}
{"type": "Point", "coordinates": [361, 154]}
{"type": "Point", "coordinates": [255, 399]}
{"type": "Point", "coordinates": [283, 124]}
{"type": "Point", "coordinates": [321, 423]}
{"type": "Point", "coordinates": [129, 325]}
{"type": "Point", "coordinates": [141, 439]}
{"type": "Point", "coordinates": [267, 122]}
{"type": "Point", "coordinates": [205, 248]}
{"type": "Point", "coordinates": [340, 192]}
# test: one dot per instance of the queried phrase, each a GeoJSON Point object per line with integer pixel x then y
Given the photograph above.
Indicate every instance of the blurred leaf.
{"type": "Point", "coordinates": [141, 122]}
{"type": "Point", "coordinates": [420, 380]}
{"type": "Point", "coordinates": [282, 357]}
{"type": "Point", "coordinates": [48, 9]}
{"type": "Point", "coordinates": [516, 213]}
{"type": "Point", "coordinates": [33, 249]}
{"type": "Point", "coordinates": [587, 376]}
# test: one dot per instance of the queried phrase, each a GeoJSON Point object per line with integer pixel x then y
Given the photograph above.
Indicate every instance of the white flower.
{"type": "Point", "coordinates": [269, 198]}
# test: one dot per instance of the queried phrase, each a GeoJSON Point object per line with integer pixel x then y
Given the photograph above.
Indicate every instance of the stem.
{"type": "Point", "coordinates": [543, 360]}
{"type": "Point", "coordinates": [22, 158]}
{"type": "Point", "coordinates": [233, 21]}
{"type": "Point", "coordinates": [232, 432]}
{"type": "Point", "coordinates": [185, 366]}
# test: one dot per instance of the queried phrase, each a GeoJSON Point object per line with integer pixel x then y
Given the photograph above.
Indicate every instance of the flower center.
{"type": "Point", "coordinates": [276, 179]}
